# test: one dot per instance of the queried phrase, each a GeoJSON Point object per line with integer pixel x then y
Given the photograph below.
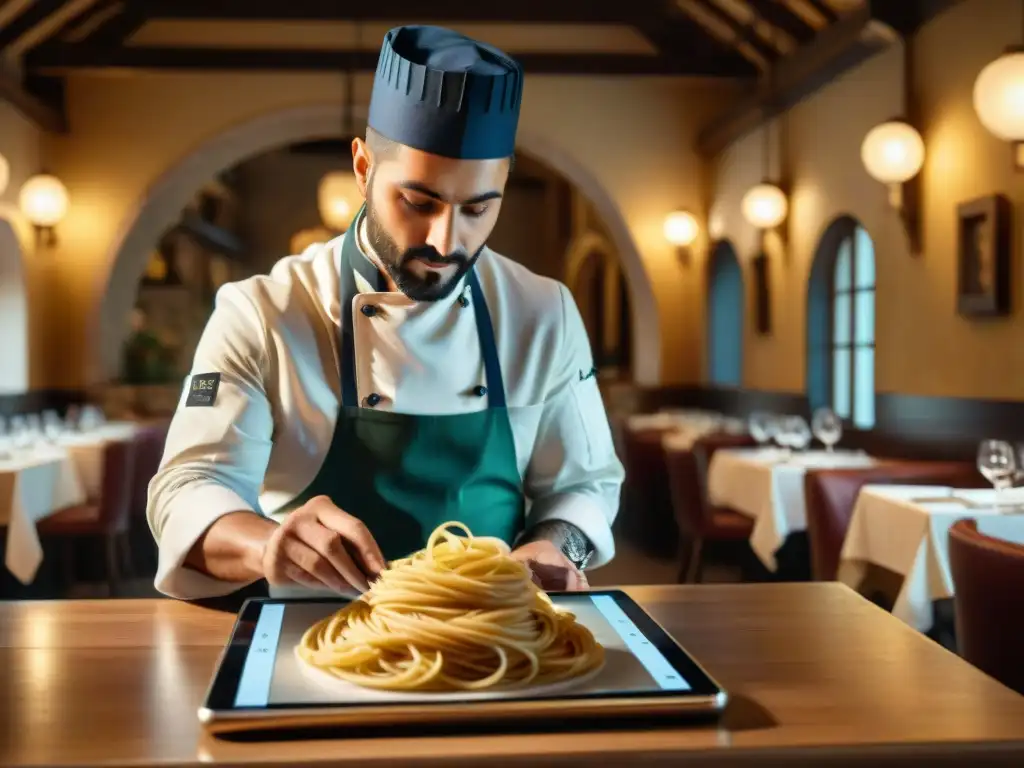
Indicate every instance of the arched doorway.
{"type": "Point", "coordinates": [158, 209]}
{"type": "Point", "coordinates": [726, 310]}
{"type": "Point", "coordinates": [841, 323]}
{"type": "Point", "coordinates": [14, 372]}
{"type": "Point", "coordinates": [594, 277]}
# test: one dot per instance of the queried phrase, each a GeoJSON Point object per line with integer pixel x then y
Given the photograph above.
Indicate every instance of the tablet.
{"type": "Point", "coordinates": [260, 683]}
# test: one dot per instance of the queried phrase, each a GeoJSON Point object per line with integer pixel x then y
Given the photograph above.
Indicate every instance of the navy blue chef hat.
{"type": "Point", "coordinates": [444, 93]}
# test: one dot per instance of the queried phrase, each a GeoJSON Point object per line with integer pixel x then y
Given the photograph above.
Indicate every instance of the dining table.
{"type": "Point", "coordinates": [904, 529]}
{"type": "Point", "coordinates": [767, 484]}
{"type": "Point", "coordinates": [817, 676]}
{"type": "Point", "coordinates": [49, 476]}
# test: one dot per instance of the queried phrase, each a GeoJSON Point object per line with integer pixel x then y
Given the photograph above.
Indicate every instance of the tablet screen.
{"type": "Point", "coordinates": [261, 669]}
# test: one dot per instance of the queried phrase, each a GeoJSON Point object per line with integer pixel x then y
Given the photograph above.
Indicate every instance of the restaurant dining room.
{"type": "Point", "coordinates": [529, 384]}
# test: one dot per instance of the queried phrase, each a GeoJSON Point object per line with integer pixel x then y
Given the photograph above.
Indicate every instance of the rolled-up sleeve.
{"type": "Point", "coordinates": [574, 474]}
{"type": "Point", "coordinates": [216, 455]}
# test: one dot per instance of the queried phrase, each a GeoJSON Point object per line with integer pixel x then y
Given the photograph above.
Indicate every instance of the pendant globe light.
{"type": "Point", "coordinates": [999, 98]}
{"type": "Point", "coordinates": [43, 200]}
{"type": "Point", "coordinates": [332, 200]}
{"type": "Point", "coordinates": [681, 228]}
{"type": "Point", "coordinates": [334, 192]}
{"type": "Point", "coordinates": [893, 152]}
{"type": "Point", "coordinates": [765, 205]}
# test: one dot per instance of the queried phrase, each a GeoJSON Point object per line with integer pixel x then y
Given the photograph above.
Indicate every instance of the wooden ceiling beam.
{"type": "Point", "coordinates": [30, 17]}
{"type": "Point", "coordinates": [46, 114]}
{"type": "Point", "coordinates": [117, 28]}
{"type": "Point", "coordinates": [62, 57]}
{"type": "Point", "coordinates": [826, 11]}
{"type": "Point", "coordinates": [779, 16]}
{"type": "Point", "coordinates": [851, 40]}
{"type": "Point", "coordinates": [743, 32]}
{"type": "Point", "coordinates": [522, 11]}
{"type": "Point", "coordinates": [678, 36]}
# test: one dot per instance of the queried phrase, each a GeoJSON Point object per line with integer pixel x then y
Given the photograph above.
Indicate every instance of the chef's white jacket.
{"type": "Point", "coordinates": [274, 340]}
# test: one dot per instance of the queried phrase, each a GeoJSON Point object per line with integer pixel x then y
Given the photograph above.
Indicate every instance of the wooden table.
{"type": "Point", "coordinates": [819, 677]}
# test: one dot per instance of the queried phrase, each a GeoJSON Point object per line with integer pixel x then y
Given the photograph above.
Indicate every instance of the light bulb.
{"type": "Point", "coordinates": [893, 152]}
{"type": "Point", "coordinates": [43, 200]}
{"type": "Point", "coordinates": [333, 199]}
{"type": "Point", "coordinates": [765, 206]}
{"type": "Point", "coordinates": [681, 228]}
{"type": "Point", "coordinates": [999, 96]}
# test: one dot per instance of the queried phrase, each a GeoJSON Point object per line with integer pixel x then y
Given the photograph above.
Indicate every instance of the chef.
{"type": "Point", "coordinates": [403, 375]}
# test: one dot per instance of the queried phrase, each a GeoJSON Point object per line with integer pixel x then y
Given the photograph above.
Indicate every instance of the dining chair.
{"type": "Point", "coordinates": [646, 516]}
{"type": "Point", "coordinates": [701, 522]}
{"type": "Point", "coordinates": [149, 450]}
{"type": "Point", "coordinates": [988, 595]}
{"type": "Point", "coordinates": [831, 494]}
{"type": "Point", "coordinates": [105, 519]}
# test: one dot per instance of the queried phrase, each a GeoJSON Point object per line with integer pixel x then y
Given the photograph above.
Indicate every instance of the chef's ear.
{"type": "Point", "coordinates": [362, 161]}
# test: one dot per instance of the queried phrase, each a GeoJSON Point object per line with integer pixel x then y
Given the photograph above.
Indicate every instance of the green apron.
{"type": "Point", "coordinates": [403, 475]}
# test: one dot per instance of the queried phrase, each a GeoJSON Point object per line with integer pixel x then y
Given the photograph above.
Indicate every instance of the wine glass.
{"type": "Point", "coordinates": [762, 428]}
{"type": "Point", "coordinates": [22, 438]}
{"type": "Point", "coordinates": [998, 464]}
{"type": "Point", "coordinates": [798, 433]}
{"type": "Point", "coordinates": [783, 436]}
{"type": "Point", "coordinates": [53, 426]}
{"type": "Point", "coordinates": [71, 417]}
{"type": "Point", "coordinates": [827, 427]}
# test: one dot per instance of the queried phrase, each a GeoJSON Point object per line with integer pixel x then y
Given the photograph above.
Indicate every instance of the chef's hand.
{"type": "Point", "coordinates": [550, 568]}
{"type": "Point", "coordinates": [314, 546]}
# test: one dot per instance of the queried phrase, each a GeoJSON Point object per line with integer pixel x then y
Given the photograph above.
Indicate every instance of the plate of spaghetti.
{"type": "Point", "coordinates": [459, 618]}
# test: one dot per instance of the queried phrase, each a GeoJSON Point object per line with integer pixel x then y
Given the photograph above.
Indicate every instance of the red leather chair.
{"type": "Point", "coordinates": [988, 578]}
{"type": "Point", "coordinates": [149, 451]}
{"type": "Point", "coordinates": [700, 521]}
{"type": "Point", "coordinates": [830, 495]}
{"type": "Point", "coordinates": [646, 504]}
{"type": "Point", "coordinates": [107, 518]}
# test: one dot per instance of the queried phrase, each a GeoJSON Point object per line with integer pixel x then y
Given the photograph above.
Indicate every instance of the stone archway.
{"type": "Point", "coordinates": [163, 202]}
{"type": "Point", "coordinates": [14, 372]}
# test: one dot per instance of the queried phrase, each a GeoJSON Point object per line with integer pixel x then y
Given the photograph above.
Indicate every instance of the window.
{"type": "Point", "coordinates": [725, 318]}
{"type": "Point", "coordinates": [841, 324]}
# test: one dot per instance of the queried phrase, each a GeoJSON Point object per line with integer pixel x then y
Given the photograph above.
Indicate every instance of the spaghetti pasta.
{"type": "Point", "coordinates": [459, 615]}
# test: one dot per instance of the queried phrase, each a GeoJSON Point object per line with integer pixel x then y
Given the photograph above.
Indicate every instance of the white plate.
{"type": "Point", "coordinates": [351, 693]}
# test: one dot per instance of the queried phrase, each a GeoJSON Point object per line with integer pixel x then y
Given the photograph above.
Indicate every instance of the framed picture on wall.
{"type": "Point", "coordinates": [762, 295]}
{"type": "Point", "coordinates": [984, 243]}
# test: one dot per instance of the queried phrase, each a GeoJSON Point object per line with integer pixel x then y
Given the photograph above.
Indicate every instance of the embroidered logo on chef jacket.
{"type": "Point", "coordinates": [589, 375]}
{"type": "Point", "coordinates": [202, 389]}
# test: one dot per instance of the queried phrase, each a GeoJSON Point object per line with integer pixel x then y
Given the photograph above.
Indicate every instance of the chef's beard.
{"type": "Point", "coordinates": [429, 287]}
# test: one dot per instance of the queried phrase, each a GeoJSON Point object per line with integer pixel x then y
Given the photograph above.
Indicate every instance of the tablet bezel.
{"type": "Point", "coordinates": [224, 687]}
{"type": "Point", "coordinates": [704, 695]}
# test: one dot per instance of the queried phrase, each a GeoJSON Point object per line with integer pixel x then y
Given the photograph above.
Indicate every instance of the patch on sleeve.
{"type": "Point", "coordinates": [202, 389]}
{"type": "Point", "coordinates": [588, 375]}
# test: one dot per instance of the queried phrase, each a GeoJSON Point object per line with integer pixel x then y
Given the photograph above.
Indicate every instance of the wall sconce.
{"type": "Point", "coordinates": [681, 230]}
{"type": "Point", "coordinates": [44, 201]}
{"type": "Point", "coordinates": [893, 153]}
{"type": "Point", "coordinates": [999, 100]}
{"type": "Point", "coordinates": [765, 206]}
{"type": "Point", "coordinates": [333, 200]}
{"type": "Point", "coordinates": [5, 174]}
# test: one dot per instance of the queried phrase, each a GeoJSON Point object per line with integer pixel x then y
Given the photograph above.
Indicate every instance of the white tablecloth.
{"type": "Point", "coordinates": [905, 529]}
{"type": "Point", "coordinates": [49, 479]}
{"type": "Point", "coordinates": [31, 489]}
{"type": "Point", "coordinates": [86, 449]}
{"type": "Point", "coordinates": [768, 486]}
